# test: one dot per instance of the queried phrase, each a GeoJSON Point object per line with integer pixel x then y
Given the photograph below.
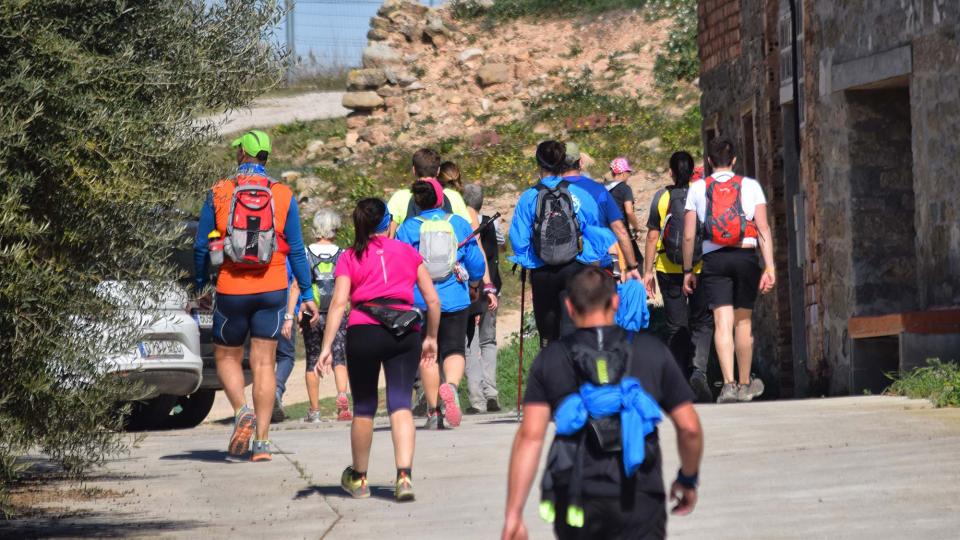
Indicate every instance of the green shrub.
{"type": "Point", "coordinates": [504, 10]}
{"type": "Point", "coordinates": [508, 361]}
{"type": "Point", "coordinates": [937, 381]}
{"type": "Point", "coordinates": [98, 149]}
{"type": "Point", "coordinates": [680, 59]}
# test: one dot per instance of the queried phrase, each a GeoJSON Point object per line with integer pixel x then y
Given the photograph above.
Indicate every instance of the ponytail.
{"type": "Point", "coordinates": [366, 217]}
{"type": "Point", "coordinates": [681, 166]}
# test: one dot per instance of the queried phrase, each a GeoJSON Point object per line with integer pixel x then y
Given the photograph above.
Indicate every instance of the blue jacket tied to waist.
{"type": "Point", "coordinates": [639, 415]}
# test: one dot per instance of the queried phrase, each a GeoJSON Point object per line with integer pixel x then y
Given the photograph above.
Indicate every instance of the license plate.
{"type": "Point", "coordinates": [160, 349]}
{"type": "Point", "coordinates": [204, 318]}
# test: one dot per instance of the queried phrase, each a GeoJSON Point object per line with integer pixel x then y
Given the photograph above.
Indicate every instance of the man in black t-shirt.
{"type": "Point", "coordinates": [621, 506]}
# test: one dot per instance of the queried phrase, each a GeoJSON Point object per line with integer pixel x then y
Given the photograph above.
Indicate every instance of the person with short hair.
{"type": "Point", "coordinates": [689, 327]}
{"type": "Point", "coordinates": [732, 211]}
{"type": "Point", "coordinates": [426, 165]}
{"type": "Point", "coordinates": [609, 214]}
{"type": "Point", "coordinates": [251, 298]}
{"type": "Point", "coordinates": [375, 278]}
{"type": "Point", "coordinates": [324, 255]}
{"type": "Point", "coordinates": [605, 394]}
{"type": "Point", "coordinates": [482, 330]}
{"type": "Point", "coordinates": [469, 267]}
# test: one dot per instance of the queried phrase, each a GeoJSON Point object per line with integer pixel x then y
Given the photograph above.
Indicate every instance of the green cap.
{"type": "Point", "coordinates": [253, 142]}
{"type": "Point", "coordinates": [573, 155]}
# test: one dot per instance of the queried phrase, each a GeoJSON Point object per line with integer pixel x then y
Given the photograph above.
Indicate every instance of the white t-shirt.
{"type": "Point", "coordinates": [751, 196]}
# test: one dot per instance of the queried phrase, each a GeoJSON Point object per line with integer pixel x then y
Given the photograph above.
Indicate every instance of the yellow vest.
{"type": "Point", "coordinates": [400, 201]}
{"type": "Point", "coordinates": [664, 264]}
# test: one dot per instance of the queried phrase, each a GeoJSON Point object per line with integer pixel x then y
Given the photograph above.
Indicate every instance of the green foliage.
{"type": "Point", "coordinates": [508, 360]}
{"type": "Point", "coordinates": [937, 381]}
{"type": "Point", "coordinates": [505, 10]}
{"type": "Point", "coordinates": [679, 60]}
{"type": "Point", "coordinates": [98, 146]}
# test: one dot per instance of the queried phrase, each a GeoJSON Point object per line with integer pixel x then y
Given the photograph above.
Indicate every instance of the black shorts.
{"type": "Point", "coordinates": [642, 518]}
{"type": "Point", "coordinates": [731, 277]}
{"type": "Point", "coordinates": [452, 334]}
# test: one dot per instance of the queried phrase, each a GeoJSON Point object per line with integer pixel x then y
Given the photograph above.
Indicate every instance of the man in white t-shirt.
{"type": "Point", "coordinates": [732, 213]}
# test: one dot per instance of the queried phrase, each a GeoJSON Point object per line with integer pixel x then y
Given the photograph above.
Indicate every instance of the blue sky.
{"type": "Point", "coordinates": [334, 30]}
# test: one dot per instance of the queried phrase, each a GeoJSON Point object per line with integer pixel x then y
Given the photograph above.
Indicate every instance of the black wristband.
{"type": "Point", "coordinates": [689, 482]}
{"type": "Point", "coordinates": [688, 270]}
{"type": "Point", "coordinates": [631, 268]}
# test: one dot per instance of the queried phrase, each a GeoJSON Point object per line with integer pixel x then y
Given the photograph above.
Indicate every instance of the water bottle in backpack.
{"type": "Point", "coordinates": [251, 238]}
{"type": "Point", "coordinates": [438, 246]}
{"type": "Point", "coordinates": [556, 231]}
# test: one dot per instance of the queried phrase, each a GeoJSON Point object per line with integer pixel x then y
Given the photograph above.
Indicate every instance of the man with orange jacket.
{"type": "Point", "coordinates": [251, 288]}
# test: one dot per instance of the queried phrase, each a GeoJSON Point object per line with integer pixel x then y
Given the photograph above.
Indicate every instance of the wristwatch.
{"type": "Point", "coordinates": [631, 268]}
{"type": "Point", "coordinates": [688, 270]}
{"type": "Point", "coordinates": [287, 317]}
{"type": "Point", "coordinates": [689, 482]}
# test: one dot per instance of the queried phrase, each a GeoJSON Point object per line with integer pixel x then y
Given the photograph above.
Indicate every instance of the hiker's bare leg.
{"type": "Point", "coordinates": [263, 364]}
{"type": "Point", "coordinates": [430, 379]}
{"type": "Point", "coordinates": [723, 340]}
{"type": "Point", "coordinates": [744, 343]}
{"type": "Point", "coordinates": [230, 371]}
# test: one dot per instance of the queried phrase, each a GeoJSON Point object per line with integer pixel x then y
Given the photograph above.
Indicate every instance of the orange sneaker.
{"type": "Point", "coordinates": [243, 428]}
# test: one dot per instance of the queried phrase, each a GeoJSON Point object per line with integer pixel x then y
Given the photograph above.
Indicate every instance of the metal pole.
{"type": "Point", "coordinates": [291, 40]}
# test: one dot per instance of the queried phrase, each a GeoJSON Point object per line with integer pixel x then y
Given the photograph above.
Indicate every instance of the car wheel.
{"type": "Point", "coordinates": [190, 410]}
{"type": "Point", "coordinates": [150, 414]}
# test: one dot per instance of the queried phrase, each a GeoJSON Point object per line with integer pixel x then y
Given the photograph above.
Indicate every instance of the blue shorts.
{"type": "Point", "coordinates": [236, 316]}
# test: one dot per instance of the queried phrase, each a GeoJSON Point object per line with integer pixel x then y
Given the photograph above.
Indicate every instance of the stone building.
{"type": "Point", "coordinates": [863, 192]}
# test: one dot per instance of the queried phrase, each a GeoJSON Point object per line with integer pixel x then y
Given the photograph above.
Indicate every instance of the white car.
{"type": "Point", "coordinates": [167, 360]}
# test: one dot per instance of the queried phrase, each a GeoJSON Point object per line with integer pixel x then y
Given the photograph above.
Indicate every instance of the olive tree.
{"type": "Point", "coordinates": [100, 147]}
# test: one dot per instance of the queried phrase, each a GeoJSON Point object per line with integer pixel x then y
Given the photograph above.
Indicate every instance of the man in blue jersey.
{"type": "Point", "coordinates": [548, 281]}
{"type": "Point", "coordinates": [453, 289]}
{"type": "Point", "coordinates": [610, 215]}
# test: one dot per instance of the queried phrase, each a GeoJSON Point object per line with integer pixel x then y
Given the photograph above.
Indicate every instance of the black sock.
{"type": "Point", "coordinates": [356, 475]}
{"type": "Point", "coordinates": [404, 471]}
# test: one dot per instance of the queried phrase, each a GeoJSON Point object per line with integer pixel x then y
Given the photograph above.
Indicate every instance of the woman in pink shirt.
{"type": "Point", "coordinates": [376, 272]}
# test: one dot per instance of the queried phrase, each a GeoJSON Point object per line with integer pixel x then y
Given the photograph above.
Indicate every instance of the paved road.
{"type": "Point", "coordinates": [863, 467]}
{"type": "Point", "coordinates": [272, 111]}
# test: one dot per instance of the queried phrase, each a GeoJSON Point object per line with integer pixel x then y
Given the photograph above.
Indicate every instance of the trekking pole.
{"type": "Point", "coordinates": [523, 297]}
{"type": "Point", "coordinates": [479, 230]}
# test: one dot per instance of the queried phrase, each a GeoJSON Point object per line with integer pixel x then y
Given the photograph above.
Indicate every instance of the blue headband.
{"type": "Point", "coordinates": [385, 222]}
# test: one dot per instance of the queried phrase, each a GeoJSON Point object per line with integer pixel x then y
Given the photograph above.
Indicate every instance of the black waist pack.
{"type": "Point", "coordinates": [399, 321]}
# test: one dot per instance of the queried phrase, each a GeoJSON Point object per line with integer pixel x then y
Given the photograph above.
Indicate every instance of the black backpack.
{"type": "Point", "coordinates": [322, 267]}
{"type": "Point", "coordinates": [413, 210]}
{"type": "Point", "coordinates": [672, 233]}
{"type": "Point", "coordinates": [556, 231]}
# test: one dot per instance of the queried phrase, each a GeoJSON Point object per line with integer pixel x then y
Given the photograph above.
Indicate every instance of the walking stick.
{"type": "Point", "coordinates": [523, 297]}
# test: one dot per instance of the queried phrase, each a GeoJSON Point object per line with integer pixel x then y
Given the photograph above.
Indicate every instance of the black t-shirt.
{"type": "Point", "coordinates": [552, 378]}
{"type": "Point", "coordinates": [488, 239]}
{"type": "Point", "coordinates": [653, 219]}
{"type": "Point", "coordinates": [622, 193]}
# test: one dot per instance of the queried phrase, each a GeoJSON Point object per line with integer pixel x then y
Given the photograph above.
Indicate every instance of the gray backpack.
{"type": "Point", "coordinates": [251, 232]}
{"type": "Point", "coordinates": [556, 231]}
{"type": "Point", "coordinates": [438, 246]}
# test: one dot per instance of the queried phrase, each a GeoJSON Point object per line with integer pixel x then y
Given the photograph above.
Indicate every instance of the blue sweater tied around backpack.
{"type": "Point", "coordinates": [639, 415]}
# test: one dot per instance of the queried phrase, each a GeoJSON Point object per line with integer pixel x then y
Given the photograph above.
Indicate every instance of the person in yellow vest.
{"type": "Point", "coordinates": [426, 164]}
{"type": "Point", "coordinates": [689, 319]}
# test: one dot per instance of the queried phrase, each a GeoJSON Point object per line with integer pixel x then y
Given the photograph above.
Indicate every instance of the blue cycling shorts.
{"type": "Point", "coordinates": [237, 316]}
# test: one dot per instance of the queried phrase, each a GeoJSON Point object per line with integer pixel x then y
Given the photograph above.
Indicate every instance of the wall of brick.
{"type": "Point", "coordinates": [718, 32]}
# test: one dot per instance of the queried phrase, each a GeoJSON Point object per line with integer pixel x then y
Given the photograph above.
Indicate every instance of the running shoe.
{"type": "Point", "coordinates": [313, 417]}
{"type": "Point", "coordinates": [243, 427]}
{"type": "Point", "coordinates": [357, 488]}
{"type": "Point", "coordinates": [450, 404]}
{"type": "Point", "coordinates": [749, 391]}
{"type": "Point", "coordinates": [343, 408]}
{"type": "Point", "coordinates": [493, 405]}
{"type": "Point", "coordinates": [278, 414]}
{"type": "Point", "coordinates": [404, 492]}
{"type": "Point", "coordinates": [700, 386]}
{"type": "Point", "coordinates": [729, 393]}
{"type": "Point", "coordinates": [471, 410]}
{"type": "Point", "coordinates": [261, 451]}
{"type": "Point", "coordinates": [433, 420]}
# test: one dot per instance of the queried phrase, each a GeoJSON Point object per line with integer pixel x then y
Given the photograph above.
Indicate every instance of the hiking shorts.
{"type": "Point", "coordinates": [452, 334]}
{"type": "Point", "coordinates": [313, 341]}
{"type": "Point", "coordinates": [238, 316]}
{"type": "Point", "coordinates": [731, 277]}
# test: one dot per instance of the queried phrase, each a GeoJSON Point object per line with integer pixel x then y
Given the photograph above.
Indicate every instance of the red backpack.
{"type": "Point", "coordinates": [725, 223]}
{"type": "Point", "coordinates": [252, 237]}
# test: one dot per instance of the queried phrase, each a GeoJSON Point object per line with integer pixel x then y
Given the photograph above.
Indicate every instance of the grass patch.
{"type": "Point", "coordinates": [328, 407]}
{"type": "Point", "coordinates": [508, 359]}
{"type": "Point", "coordinates": [938, 382]}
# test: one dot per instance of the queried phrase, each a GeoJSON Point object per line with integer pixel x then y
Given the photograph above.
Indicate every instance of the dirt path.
{"type": "Point", "coordinates": [272, 111]}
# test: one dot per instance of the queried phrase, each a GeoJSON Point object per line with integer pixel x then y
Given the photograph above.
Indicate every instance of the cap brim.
{"type": "Point", "coordinates": [236, 142]}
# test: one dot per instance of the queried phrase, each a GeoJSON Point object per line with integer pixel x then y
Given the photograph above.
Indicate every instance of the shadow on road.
{"type": "Point", "coordinates": [209, 456]}
{"type": "Point", "coordinates": [91, 526]}
{"type": "Point", "coordinates": [377, 492]}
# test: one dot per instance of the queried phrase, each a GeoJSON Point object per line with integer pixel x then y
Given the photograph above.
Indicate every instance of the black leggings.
{"type": "Point", "coordinates": [549, 286]}
{"type": "Point", "coordinates": [369, 346]}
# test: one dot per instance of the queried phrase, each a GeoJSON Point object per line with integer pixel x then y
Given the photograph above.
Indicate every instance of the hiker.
{"type": "Point", "coordinates": [426, 164]}
{"type": "Point", "coordinates": [376, 278]}
{"type": "Point", "coordinates": [622, 194]}
{"type": "Point", "coordinates": [689, 325]}
{"type": "Point", "coordinates": [482, 329]}
{"type": "Point", "coordinates": [323, 256]}
{"type": "Point", "coordinates": [454, 261]}
{"type": "Point", "coordinates": [554, 233]}
{"type": "Point", "coordinates": [732, 211]}
{"type": "Point", "coordinates": [605, 393]}
{"type": "Point", "coordinates": [286, 346]}
{"type": "Point", "coordinates": [609, 214]}
{"type": "Point", "coordinates": [249, 225]}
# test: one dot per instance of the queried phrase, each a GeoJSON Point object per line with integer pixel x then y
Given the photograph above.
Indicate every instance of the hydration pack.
{"type": "Point", "coordinates": [438, 246]}
{"type": "Point", "coordinates": [251, 238]}
{"type": "Point", "coordinates": [323, 267]}
{"type": "Point", "coordinates": [672, 230]}
{"type": "Point", "coordinates": [556, 231]}
{"type": "Point", "coordinates": [725, 223]}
